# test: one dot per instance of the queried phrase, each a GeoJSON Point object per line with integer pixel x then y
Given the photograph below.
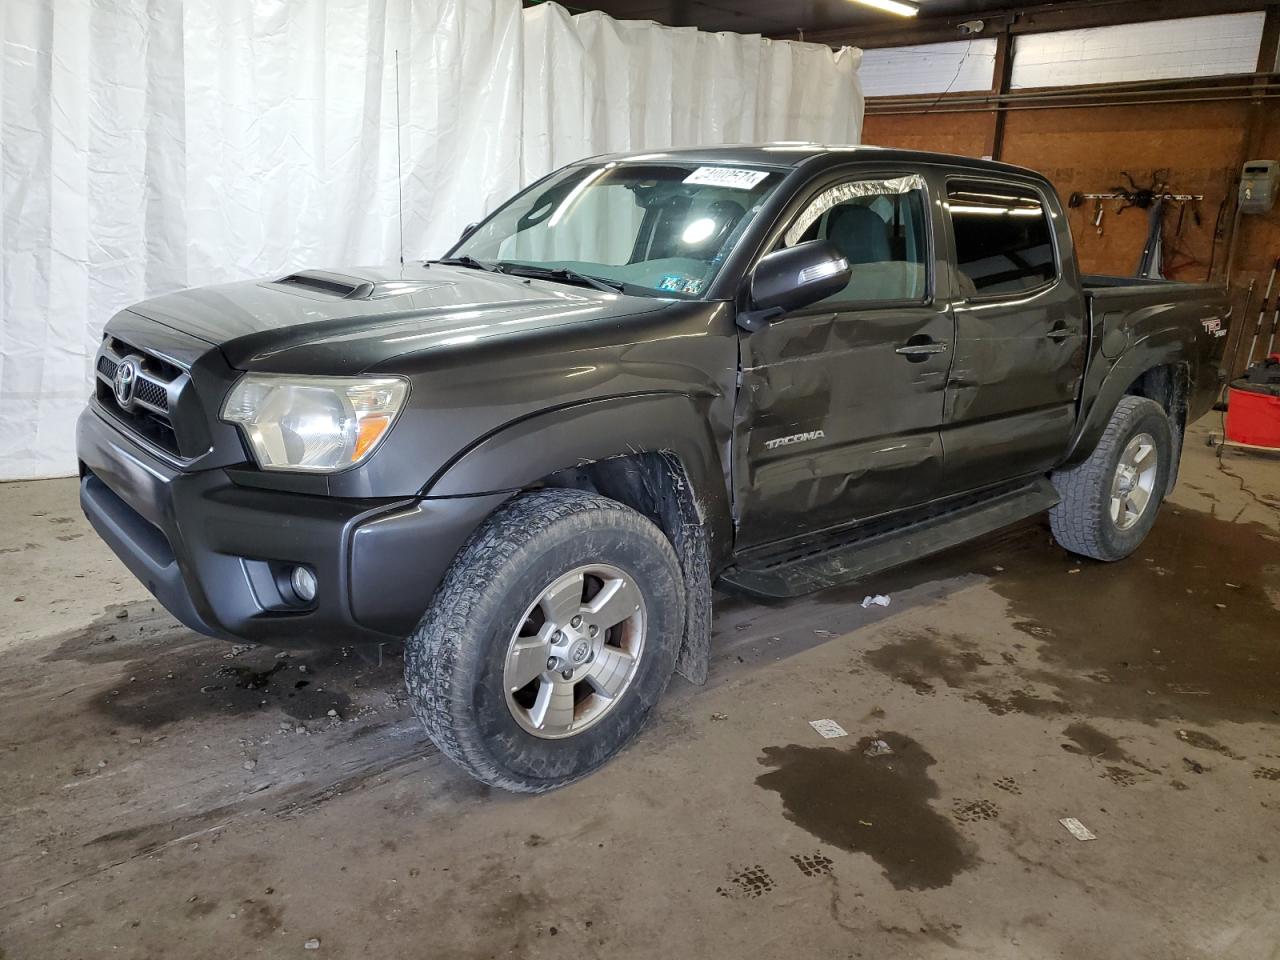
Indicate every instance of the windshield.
{"type": "Point", "coordinates": [658, 228]}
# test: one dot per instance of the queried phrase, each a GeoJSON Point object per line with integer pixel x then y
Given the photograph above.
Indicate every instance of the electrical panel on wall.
{"type": "Point", "coordinates": [1258, 184]}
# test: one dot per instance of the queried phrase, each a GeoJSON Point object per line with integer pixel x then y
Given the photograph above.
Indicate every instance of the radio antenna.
{"type": "Point", "coordinates": [399, 163]}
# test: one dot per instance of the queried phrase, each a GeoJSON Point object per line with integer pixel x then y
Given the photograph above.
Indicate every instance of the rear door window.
{"type": "Point", "coordinates": [1004, 245]}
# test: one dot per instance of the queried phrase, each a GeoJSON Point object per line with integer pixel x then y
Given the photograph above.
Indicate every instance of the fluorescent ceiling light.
{"type": "Point", "coordinates": [900, 7]}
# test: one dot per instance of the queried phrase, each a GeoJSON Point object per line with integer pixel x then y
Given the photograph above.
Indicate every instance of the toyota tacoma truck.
{"type": "Point", "coordinates": [761, 369]}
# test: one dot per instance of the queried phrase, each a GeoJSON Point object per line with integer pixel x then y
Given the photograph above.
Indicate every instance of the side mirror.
{"type": "Point", "coordinates": [789, 279]}
{"type": "Point", "coordinates": [468, 230]}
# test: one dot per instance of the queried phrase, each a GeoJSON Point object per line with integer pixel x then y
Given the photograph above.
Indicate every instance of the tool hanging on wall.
{"type": "Point", "coordinates": [1153, 198]}
{"type": "Point", "coordinates": [1151, 263]}
{"type": "Point", "coordinates": [1225, 375]}
{"type": "Point", "coordinates": [1275, 322]}
{"type": "Point", "coordinates": [1141, 197]}
{"type": "Point", "coordinates": [1262, 314]}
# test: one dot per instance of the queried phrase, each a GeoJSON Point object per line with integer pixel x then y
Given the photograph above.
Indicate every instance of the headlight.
{"type": "Point", "coordinates": [316, 424]}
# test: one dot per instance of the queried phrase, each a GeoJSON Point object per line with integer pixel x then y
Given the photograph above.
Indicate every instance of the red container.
{"type": "Point", "coordinates": [1253, 414]}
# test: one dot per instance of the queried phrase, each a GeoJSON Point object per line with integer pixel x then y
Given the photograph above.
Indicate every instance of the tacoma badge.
{"type": "Point", "coordinates": [794, 438]}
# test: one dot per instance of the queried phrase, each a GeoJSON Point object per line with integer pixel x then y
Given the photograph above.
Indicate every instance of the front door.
{"type": "Point", "coordinates": [1020, 338]}
{"type": "Point", "coordinates": [840, 404]}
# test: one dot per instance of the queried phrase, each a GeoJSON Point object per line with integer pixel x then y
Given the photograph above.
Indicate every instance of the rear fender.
{"type": "Point", "coordinates": [1165, 348]}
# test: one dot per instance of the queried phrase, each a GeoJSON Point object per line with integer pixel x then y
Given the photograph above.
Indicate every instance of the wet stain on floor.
{"type": "Point", "coordinates": [929, 655]}
{"type": "Point", "coordinates": [166, 673]}
{"type": "Point", "coordinates": [1183, 629]}
{"type": "Point", "coordinates": [1088, 741]}
{"type": "Point", "coordinates": [1153, 623]}
{"type": "Point", "coordinates": [873, 805]}
{"type": "Point", "coordinates": [747, 884]}
{"type": "Point", "coordinates": [1021, 701]}
{"type": "Point", "coordinates": [1198, 738]}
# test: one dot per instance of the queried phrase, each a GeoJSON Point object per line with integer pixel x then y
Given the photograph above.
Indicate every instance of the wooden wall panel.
{"type": "Point", "coordinates": [961, 133]}
{"type": "Point", "coordinates": [1085, 148]}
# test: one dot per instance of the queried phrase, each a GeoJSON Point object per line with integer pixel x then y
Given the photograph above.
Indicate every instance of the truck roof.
{"type": "Point", "coordinates": [792, 154]}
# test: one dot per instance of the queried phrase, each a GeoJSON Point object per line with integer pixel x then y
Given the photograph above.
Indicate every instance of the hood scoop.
{"type": "Point", "coordinates": [323, 285]}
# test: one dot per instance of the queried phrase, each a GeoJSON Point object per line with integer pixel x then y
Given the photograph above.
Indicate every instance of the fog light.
{"type": "Point", "coordinates": [303, 581]}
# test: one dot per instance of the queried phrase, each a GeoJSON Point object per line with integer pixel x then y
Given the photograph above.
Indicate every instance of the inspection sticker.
{"type": "Point", "coordinates": [829, 729]}
{"type": "Point", "coordinates": [734, 177]}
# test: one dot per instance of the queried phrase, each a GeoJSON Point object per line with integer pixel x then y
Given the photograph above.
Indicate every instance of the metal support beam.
{"type": "Point", "coordinates": [1255, 125]}
{"type": "Point", "coordinates": [1255, 128]}
{"type": "Point", "coordinates": [1248, 87]}
{"type": "Point", "coordinates": [1031, 19]}
{"type": "Point", "coordinates": [999, 87]}
{"type": "Point", "coordinates": [677, 13]}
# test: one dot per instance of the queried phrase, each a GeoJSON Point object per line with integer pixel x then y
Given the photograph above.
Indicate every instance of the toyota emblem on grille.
{"type": "Point", "coordinates": [125, 382]}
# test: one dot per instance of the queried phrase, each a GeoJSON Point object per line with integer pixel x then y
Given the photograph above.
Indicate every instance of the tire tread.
{"type": "Point", "coordinates": [432, 651]}
{"type": "Point", "coordinates": [1076, 521]}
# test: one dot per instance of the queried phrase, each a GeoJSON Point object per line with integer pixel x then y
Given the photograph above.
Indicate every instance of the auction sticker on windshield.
{"type": "Point", "coordinates": [733, 177]}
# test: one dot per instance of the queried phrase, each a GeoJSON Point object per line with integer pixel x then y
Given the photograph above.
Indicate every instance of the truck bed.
{"type": "Point", "coordinates": [1124, 311]}
{"type": "Point", "coordinates": [1102, 283]}
{"type": "Point", "coordinates": [1128, 301]}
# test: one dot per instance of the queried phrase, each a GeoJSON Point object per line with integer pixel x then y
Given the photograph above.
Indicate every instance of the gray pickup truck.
{"type": "Point", "coordinates": [769, 369]}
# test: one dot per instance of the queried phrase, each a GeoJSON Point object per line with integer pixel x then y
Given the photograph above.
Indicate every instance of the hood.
{"type": "Point", "coordinates": [344, 321]}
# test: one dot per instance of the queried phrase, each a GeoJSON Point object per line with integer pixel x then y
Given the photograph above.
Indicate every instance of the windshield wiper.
{"type": "Point", "coordinates": [470, 262]}
{"type": "Point", "coordinates": [563, 274]}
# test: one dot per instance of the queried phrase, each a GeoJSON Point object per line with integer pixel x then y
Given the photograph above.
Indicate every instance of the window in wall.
{"type": "Point", "coordinates": [879, 227]}
{"type": "Point", "coordinates": [953, 67]}
{"type": "Point", "coordinates": [1155, 50]}
{"type": "Point", "coordinates": [1003, 241]}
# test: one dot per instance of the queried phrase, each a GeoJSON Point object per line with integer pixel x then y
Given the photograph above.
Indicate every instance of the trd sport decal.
{"type": "Point", "coordinates": [794, 438]}
{"type": "Point", "coordinates": [1214, 326]}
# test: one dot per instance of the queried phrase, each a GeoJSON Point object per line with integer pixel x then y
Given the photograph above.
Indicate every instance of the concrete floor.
{"type": "Point", "coordinates": [165, 795]}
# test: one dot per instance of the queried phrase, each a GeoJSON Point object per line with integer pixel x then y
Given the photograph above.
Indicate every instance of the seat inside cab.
{"type": "Point", "coordinates": [883, 238]}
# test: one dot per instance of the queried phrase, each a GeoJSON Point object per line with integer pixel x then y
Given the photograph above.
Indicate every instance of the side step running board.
{"type": "Point", "coordinates": [806, 569]}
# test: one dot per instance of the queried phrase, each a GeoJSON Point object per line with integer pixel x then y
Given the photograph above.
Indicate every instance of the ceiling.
{"type": "Point", "coordinates": [775, 17]}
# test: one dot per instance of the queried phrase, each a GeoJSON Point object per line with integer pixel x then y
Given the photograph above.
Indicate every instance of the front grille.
{"type": "Point", "coordinates": [156, 383]}
{"type": "Point", "coordinates": [153, 394]}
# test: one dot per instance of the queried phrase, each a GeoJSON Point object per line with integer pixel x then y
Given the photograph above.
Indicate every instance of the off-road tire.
{"type": "Point", "coordinates": [454, 659]}
{"type": "Point", "coordinates": [1082, 522]}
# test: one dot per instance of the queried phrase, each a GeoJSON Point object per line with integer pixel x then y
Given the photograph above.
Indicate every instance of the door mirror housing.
{"type": "Point", "coordinates": [468, 230]}
{"type": "Point", "coordinates": [791, 278]}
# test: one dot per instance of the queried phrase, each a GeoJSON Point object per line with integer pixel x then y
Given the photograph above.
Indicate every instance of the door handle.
{"type": "Point", "coordinates": [921, 350]}
{"type": "Point", "coordinates": [1058, 334]}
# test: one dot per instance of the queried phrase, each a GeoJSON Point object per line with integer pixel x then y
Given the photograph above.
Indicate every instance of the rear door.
{"type": "Point", "coordinates": [840, 404]}
{"type": "Point", "coordinates": [1020, 336]}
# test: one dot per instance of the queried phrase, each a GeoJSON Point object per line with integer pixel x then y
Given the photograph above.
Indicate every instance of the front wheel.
{"type": "Point", "coordinates": [550, 639]}
{"type": "Point", "coordinates": [1109, 502]}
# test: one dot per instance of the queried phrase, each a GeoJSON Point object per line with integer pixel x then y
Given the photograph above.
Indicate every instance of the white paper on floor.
{"type": "Point", "coordinates": [1078, 829]}
{"type": "Point", "coordinates": [828, 728]}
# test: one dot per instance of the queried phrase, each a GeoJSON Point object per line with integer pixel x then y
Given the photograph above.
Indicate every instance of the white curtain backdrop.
{"type": "Point", "coordinates": [150, 145]}
{"type": "Point", "coordinates": [593, 84]}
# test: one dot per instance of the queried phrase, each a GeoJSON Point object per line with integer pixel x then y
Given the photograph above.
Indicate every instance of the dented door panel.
{"type": "Point", "coordinates": [832, 424]}
{"type": "Point", "coordinates": [1011, 402]}
{"type": "Point", "coordinates": [1020, 355]}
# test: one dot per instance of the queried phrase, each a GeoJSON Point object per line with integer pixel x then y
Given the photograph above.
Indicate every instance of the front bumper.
{"type": "Point", "coordinates": [218, 555]}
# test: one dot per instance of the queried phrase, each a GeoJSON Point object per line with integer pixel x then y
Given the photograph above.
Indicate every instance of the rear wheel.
{"type": "Point", "coordinates": [552, 636]}
{"type": "Point", "coordinates": [1109, 502]}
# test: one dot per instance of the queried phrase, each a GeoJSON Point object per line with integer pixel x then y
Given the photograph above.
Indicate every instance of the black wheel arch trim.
{"type": "Point", "coordinates": [522, 452]}
{"type": "Point", "coordinates": [1164, 348]}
